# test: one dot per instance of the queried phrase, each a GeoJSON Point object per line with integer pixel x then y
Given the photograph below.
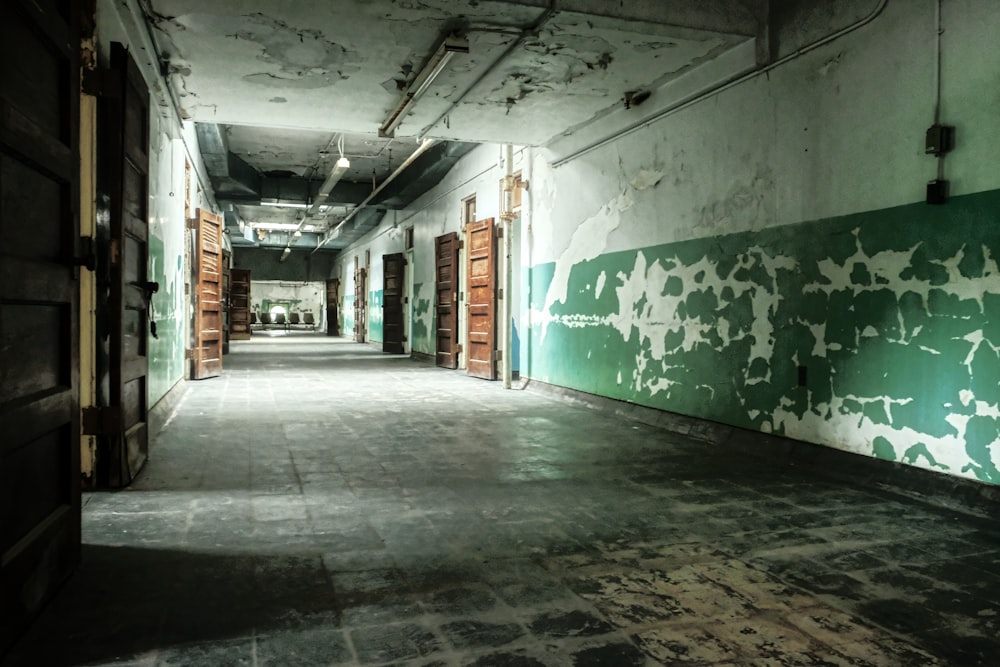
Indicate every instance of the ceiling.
{"type": "Point", "coordinates": [280, 89]}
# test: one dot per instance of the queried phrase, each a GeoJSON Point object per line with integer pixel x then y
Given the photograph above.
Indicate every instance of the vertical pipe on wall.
{"type": "Point", "coordinates": [507, 215]}
{"type": "Point", "coordinates": [526, 261]}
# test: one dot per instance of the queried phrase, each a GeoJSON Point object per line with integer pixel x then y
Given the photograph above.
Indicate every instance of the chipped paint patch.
{"type": "Point", "coordinates": [893, 319]}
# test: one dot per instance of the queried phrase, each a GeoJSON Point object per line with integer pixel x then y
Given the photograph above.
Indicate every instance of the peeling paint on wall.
{"type": "Point", "coordinates": [893, 314]}
{"type": "Point", "coordinates": [423, 322]}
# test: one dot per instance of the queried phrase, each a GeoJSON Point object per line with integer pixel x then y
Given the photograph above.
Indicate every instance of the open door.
{"type": "Point", "coordinates": [333, 307]}
{"type": "Point", "coordinates": [481, 360]}
{"type": "Point", "coordinates": [207, 352]}
{"type": "Point", "coordinates": [360, 303]}
{"type": "Point", "coordinates": [239, 304]}
{"type": "Point", "coordinates": [120, 424]}
{"type": "Point", "coordinates": [446, 301]}
{"type": "Point", "coordinates": [393, 267]}
{"type": "Point", "coordinates": [39, 316]}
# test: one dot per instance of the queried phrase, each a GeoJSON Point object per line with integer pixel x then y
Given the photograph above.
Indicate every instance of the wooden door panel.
{"type": "Point", "coordinates": [239, 304]}
{"type": "Point", "coordinates": [360, 305]}
{"type": "Point", "coordinates": [123, 444]}
{"type": "Point", "coordinates": [39, 347]}
{"type": "Point", "coordinates": [208, 306]}
{"type": "Point", "coordinates": [446, 249]}
{"type": "Point", "coordinates": [393, 268]}
{"type": "Point", "coordinates": [481, 300]}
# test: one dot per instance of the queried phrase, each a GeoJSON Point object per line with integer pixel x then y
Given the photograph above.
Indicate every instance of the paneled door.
{"type": "Point", "coordinates": [481, 300]}
{"type": "Point", "coordinates": [239, 304]}
{"type": "Point", "coordinates": [123, 438]}
{"type": "Point", "coordinates": [207, 352]}
{"type": "Point", "coordinates": [393, 267]}
{"type": "Point", "coordinates": [446, 249]}
{"type": "Point", "coordinates": [39, 316]}
{"type": "Point", "coordinates": [360, 304]}
{"type": "Point", "coordinates": [333, 307]}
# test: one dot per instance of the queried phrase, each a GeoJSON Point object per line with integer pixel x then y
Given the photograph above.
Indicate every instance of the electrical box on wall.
{"type": "Point", "coordinates": [939, 139]}
{"type": "Point", "coordinates": [937, 191]}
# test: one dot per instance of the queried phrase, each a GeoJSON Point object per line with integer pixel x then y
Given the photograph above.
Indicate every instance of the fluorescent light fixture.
{"type": "Point", "coordinates": [283, 204]}
{"type": "Point", "coordinates": [444, 53]}
{"type": "Point", "coordinates": [284, 254]}
{"type": "Point", "coordinates": [298, 232]}
{"type": "Point", "coordinates": [339, 169]}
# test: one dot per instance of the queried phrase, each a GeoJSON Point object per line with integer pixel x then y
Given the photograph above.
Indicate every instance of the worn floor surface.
{"type": "Point", "coordinates": [322, 504]}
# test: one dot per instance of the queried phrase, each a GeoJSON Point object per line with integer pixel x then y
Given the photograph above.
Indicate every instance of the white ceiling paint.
{"type": "Point", "coordinates": [334, 66]}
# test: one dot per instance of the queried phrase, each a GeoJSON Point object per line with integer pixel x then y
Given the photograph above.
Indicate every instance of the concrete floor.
{"type": "Point", "coordinates": [323, 504]}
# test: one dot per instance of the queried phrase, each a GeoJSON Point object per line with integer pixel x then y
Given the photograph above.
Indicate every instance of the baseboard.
{"type": "Point", "coordinates": [422, 356]}
{"type": "Point", "coordinates": [160, 413]}
{"type": "Point", "coordinates": [940, 490]}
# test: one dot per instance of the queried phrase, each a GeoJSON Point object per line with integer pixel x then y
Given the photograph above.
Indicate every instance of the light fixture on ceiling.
{"type": "Point", "coordinates": [425, 77]}
{"type": "Point", "coordinates": [298, 233]}
{"type": "Point", "coordinates": [281, 204]}
{"type": "Point", "coordinates": [284, 254]}
{"type": "Point", "coordinates": [339, 169]}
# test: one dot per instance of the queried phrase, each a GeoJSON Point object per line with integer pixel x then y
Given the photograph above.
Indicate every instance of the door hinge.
{"type": "Point", "coordinates": [102, 421]}
{"type": "Point", "coordinates": [189, 353]}
{"type": "Point", "coordinates": [498, 355]}
{"type": "Point", "coordinates": [461, 244]}
{"type": "Point", "coordinates": [192, 223]}
{"type": "Point", "coordinates": [499, 292]}
{"type": "Point", "coordinates": [499, 232]}
{"type": "Point", "coordinates": [458, 349]}
{"type": "Point", "coordinates": [114, 252]}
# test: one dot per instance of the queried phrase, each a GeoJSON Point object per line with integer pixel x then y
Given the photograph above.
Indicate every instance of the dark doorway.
{"type": "Point", "coordinates": [393, 268]}
{"type": "Point", "coordinates": [333, 307]}
{"type": "Point", "coordinates": [360, 302]}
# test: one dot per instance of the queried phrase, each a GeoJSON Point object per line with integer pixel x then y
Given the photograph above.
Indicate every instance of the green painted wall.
{"type": "Point", "coordinates": [166, 350]}
{"type": "Point", "coordinates": [894, 314]}
{"type": "Point", "coordinates": [424, 328]}
{"type": "Point", "coordinates": [375, 316]}
{"type": "Point", "coordinates": [347, 316]}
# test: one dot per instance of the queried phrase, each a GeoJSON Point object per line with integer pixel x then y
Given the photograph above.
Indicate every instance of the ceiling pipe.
{"type": "Point", "coordinates": [330, 235]}
{"type": "Point", "coordinates": [715, 90]}
{"type": "Point", "coordinates": [533, 29]}
{"type": "Point", "coordinates": [507, 219]}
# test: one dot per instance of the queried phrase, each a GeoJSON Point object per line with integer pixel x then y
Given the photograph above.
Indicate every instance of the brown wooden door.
{"type": "Point", "coordinates": [360, 304]}
{"type": "Point", "coordinates": [123, 442]}
{"type": "Point", "coordinates": [39, 295]}
{"type": "Point", "coordinates": [446, 249]}
{"type": "Point", "coordinates": [239, 304]}
{"type": "Point", "coordinates": [393, 267]}
{"type": "Point", "coordinates": [481, 300]}
{"type": "Point", "coordinates": [208, 297]}
{"type": "Point", "coordinates": [333, 307]}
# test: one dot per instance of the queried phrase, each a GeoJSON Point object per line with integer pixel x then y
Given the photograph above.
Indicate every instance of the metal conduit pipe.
{"type": "Point", "coordinates": [507, 218]}
{"type": "Point", "coordinates": [684, 104]}
{"type": "Point", "coordinates": [542, 19]}
{"type": "Point", "coordinates": [424, 145]}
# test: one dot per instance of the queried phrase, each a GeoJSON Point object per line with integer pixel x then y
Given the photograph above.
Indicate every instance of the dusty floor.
{"type": "Point", "coordinates": [322, 504]}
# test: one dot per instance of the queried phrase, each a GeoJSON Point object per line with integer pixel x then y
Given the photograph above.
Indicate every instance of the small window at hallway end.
{"type": "Point", "coordinates": [468, 210]}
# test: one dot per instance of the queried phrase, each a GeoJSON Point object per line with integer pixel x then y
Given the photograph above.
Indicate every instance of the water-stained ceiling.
{"type": "Point", "coordinates": [280, 87]}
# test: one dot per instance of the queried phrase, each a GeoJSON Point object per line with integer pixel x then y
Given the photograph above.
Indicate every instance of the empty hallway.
{"type": "Point", "coordinates": [321, 503]}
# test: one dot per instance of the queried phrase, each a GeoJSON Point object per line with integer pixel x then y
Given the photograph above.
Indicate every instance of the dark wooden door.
{"type": "Point", "coordinates": [123, 442]}
{"type": "Point", "coordinates": [481, 299]}
{"type": "Point", "coordinates": [39, 295]}
{"type": "Point", "coordinates": [333, 307]}
{"type": "Point", "coordinates": [239, 304]}
{"type": "Point", "coordinates": [360, 304]}
{"type": "Point", "coordinates": [446, 249]}
{"type": "Point", "coordinates": [393, 267]}
{"type": "Point", "coordinates": [207, 352]}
